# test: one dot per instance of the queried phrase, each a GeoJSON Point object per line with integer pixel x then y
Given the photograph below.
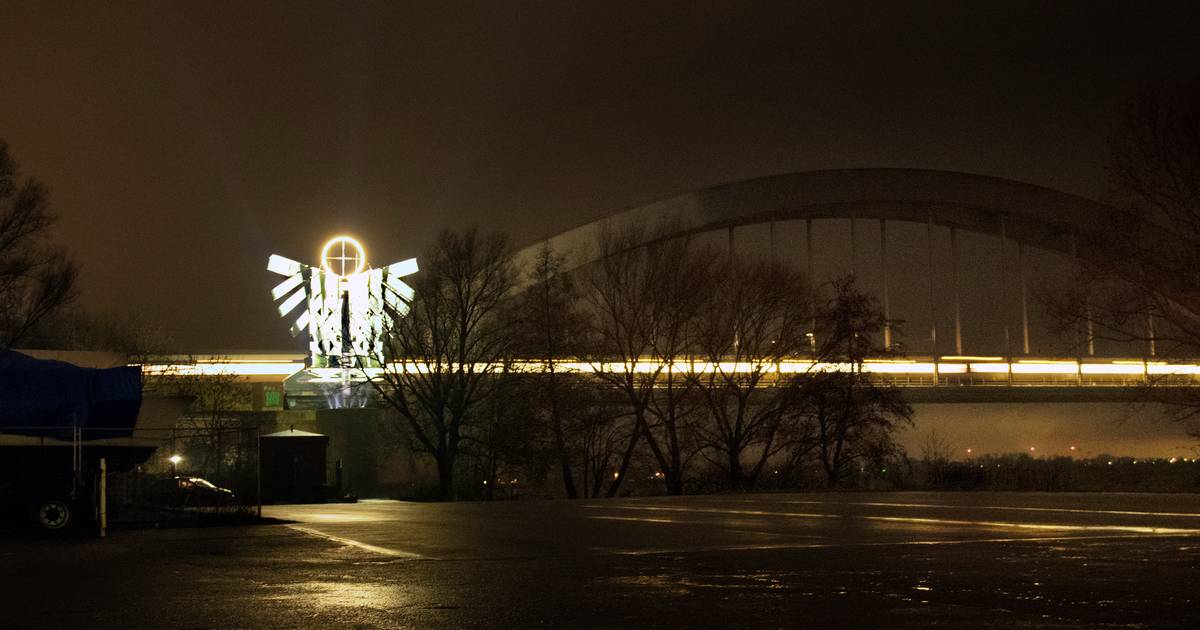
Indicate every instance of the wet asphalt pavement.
{"type": "Point", "coordinates": [759, 561]}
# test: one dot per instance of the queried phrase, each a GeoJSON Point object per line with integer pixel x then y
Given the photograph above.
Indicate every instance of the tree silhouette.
{"type": "Point", "coordinates": [35, 278]}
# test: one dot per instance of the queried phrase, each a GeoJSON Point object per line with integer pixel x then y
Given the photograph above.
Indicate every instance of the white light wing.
{"type": "Point", "coordinates": [402, 268]}
{"type": "Point", "coordinates": [285, 287]}
{"type": "Point", "coordinates": [284, 266]}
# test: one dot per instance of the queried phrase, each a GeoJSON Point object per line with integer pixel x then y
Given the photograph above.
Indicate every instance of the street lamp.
{"type": "Point", "coordinates": [174, 459]}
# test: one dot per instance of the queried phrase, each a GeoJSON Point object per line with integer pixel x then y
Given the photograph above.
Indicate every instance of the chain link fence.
{"type": "Point", "coordinates": [201, 472]}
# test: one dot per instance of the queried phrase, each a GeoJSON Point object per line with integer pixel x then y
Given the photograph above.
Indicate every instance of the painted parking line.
{"type": "Point", "coordinates": [638, 519]}
{"type": "Point", "coordinates": [990, 507]}
{"type": "Point", "coordinates": [395, 553]}
{"type": "Point", "coordinates": [1129, 529]}
{"type": "Point", "coordinates": [838, 545]}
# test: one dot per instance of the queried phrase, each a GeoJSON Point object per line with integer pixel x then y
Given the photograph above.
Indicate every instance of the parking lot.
{"type": "Point", "coordinates": [855, 559]}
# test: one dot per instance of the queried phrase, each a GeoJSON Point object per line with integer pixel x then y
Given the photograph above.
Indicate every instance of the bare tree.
{"type": "Point", "coordinates": [1139, 281]}
{"type": "Point", "coordinates": [547, 324]}
{"type": "Point", "coordinates": [211, 428]}
{"type": "Point", "coordinates": [508, 452]}
{"type": "Point", "coordinates": [605, 439]}
{"type": "Point", "coordinates": [936, 452]}
{"type": "Point", "coordinates": [142, 340]}
{"type": "Point", "coordinates": [585, 434]}
{"type": "Point", "coordinates": [642, 297]}
{"type": "Point", "coordinates": [853, 416]}
{"type": "Point", "coordinates": [35, 278]}
{"type": "Point", "coordinates": [213, 434]}
{"type": "Point", "coordinates": [1145, 262]}
{"type": "Point", "coordinates": [446, 354]}
{"type": "Point", "coordinates": [756, 314]}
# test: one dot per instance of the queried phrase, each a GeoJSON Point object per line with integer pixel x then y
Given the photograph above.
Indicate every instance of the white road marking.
{"type": "Point", "coordinates": [634, 518]}
{"type": "Point", "coordinates": [993, 507]}
{"type": "Point", "coordinates": [1133, 529]}
{"type": "Point", "coordinates": [897, 543]}
{"type": "Point", "coordinates": [712, 511]}
{"type": "Point", "coordinates": [361, 545]}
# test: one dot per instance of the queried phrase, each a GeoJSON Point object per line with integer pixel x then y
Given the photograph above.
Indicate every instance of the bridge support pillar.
{"type": "Point", "coordinates": [1024, 298]}
{"type": "Point", "coordinates": [854, 248]}
{"type": "Point", "coordinates": [933, 309]}
{"type": "Point", "coordinates": [812, 283]}
{"type": "Point", "coordinates": [958, 345]}
{"type": "Point", "coordinates": [887, 305]}
{"type": "Point", "coordinates": [1004, 305]}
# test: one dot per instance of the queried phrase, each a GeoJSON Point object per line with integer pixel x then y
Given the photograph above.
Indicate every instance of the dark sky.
{"type": "Point", "coordinates": [185, 143]}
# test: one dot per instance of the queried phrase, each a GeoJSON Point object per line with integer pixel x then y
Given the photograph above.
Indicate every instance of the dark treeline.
{"type": "Point", "coordinates": [1020, 472]}
{"type": "Point", "coordinates": [658, 372]}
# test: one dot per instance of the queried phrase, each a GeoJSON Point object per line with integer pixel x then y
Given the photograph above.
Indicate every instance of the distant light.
{"type": "Point", "coordinates": [357, 254]}
{"type": "Point", "coordinates": [175, 459]}
{"type": "Point", "coordinates": [969, 451]}
{"type": "Point", "coordinates": [1032, 449]}
{"type": "Point", "coordinates": [1072, 448]}
{"type": "Point", "coordinates": [485, 482]}
{"type": "Point", "coordinates": [616, 474]}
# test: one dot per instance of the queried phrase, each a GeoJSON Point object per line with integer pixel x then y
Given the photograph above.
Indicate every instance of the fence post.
{"type": "Point", "coordinates": [103, 497]}
{"type": "Point", "coordinates": [258, 467]}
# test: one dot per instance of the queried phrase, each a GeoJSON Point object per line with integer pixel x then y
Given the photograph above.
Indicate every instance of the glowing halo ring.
{"type": "Point", "coordinates": [345, 240]}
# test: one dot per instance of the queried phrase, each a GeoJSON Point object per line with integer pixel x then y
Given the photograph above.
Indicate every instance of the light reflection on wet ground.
{"type": "Point", "coordinates": [1044, 560]}
{"type": "Point", "coordinates": [345, 594]}
{"type": "Point", "coordinates": [766, 561]}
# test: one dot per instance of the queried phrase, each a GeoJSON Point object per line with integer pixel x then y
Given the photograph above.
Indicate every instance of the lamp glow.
{"type": "Point", "coordinates": [346, 249]}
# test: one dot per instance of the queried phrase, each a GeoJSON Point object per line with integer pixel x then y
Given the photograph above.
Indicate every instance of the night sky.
{"type": "Point", "coordinates": [184, 144]}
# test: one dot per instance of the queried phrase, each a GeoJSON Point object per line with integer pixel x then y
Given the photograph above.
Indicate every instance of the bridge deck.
{"type": "Point", "coordinates": [924, 379]}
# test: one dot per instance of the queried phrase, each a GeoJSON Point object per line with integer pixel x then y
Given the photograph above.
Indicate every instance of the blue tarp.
{"type": "Point", "coordinates": [46, 398]}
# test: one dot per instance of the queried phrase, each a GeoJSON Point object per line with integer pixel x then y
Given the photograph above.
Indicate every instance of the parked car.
{"type": "Point", "coordinates": [189, 492]}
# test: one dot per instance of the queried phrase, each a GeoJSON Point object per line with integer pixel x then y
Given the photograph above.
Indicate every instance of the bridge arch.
{"type": "Point", "coordinates": [1016, 212]}
{"type": "Point", "coordinates": [1031, 215]}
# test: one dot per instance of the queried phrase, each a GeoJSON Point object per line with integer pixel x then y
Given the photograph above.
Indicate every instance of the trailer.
{"type": "Point", "coordinates": [60, 425]}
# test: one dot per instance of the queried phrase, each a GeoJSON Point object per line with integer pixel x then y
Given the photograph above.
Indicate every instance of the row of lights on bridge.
{"type": "Point", "coordinates": [1032, 449]}
{"type": "Point", "coordinates": [1074, 449]}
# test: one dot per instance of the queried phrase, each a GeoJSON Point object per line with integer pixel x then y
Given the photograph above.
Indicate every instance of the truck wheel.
{"type": "Point", "coordinates": [52, 515]}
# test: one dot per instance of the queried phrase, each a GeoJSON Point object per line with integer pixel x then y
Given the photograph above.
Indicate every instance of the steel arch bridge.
{"type": "Point", "coordinates": [1031, 215]}
{"type": "Point", "coordinates": [1019, 214]}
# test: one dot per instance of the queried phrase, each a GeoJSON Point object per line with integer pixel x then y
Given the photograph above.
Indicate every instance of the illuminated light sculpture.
{"type": "Point", "coordinates": [346, 305]}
